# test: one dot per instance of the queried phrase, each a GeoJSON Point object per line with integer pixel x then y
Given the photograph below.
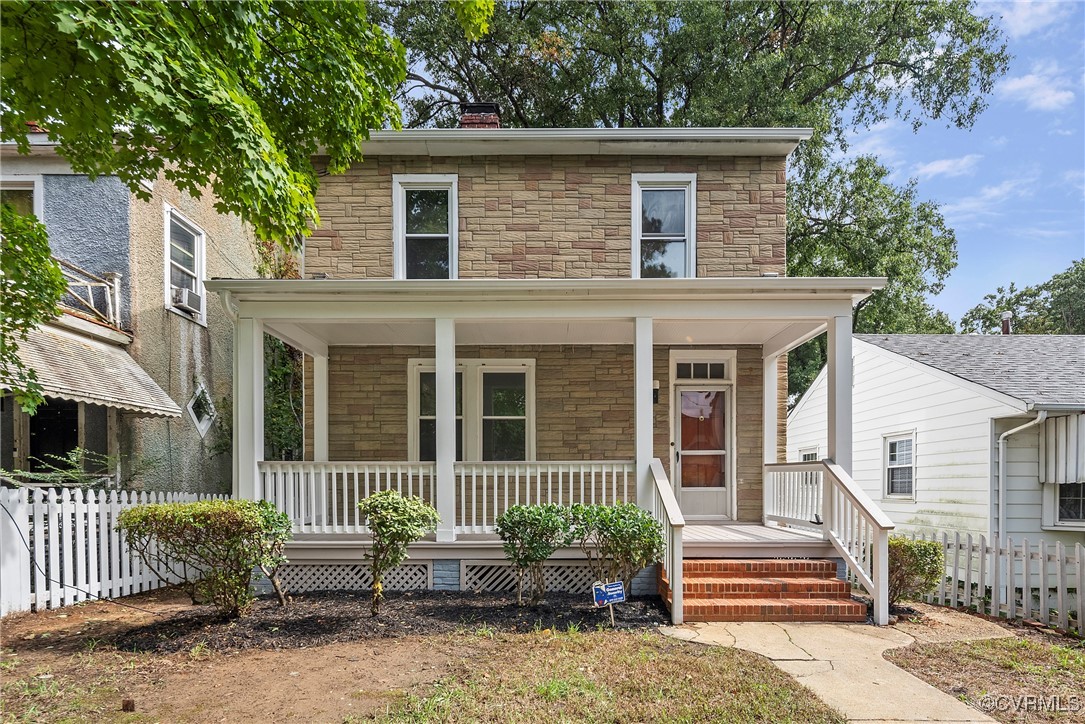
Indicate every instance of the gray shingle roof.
{"type": "Point", "coordinates": [1037, 369]}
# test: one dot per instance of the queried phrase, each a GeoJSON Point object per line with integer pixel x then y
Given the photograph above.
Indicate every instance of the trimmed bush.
{"type": "Point", "coordinates": [394, 523]}
{"type": "Point", "coordinates": [915, 567]}
{"type": "Point", "coordinates": [618, 540]}
{"type": "Point", "coordinates": [530, 534]}
{"type": "Point", "coordinates": [211, 546]}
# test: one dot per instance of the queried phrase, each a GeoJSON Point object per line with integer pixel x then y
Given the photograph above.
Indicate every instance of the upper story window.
{"type": "Point", "coordinates": [23, 193]}
{"type": "Point", "coordinates": [185, 249]}
{"type": "Point", "coordinates": [664, 225]}
{"type": "Point", "coordinates": [424, 226]}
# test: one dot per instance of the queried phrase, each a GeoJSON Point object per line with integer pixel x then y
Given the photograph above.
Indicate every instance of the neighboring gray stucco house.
{"type": "Point", "coordinates": [936, 415]}
{"type": "Point", "coordinates": [129, 370]}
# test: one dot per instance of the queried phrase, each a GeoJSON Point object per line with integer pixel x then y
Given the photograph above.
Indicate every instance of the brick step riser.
{"type": "Point", "coordinates": [756, 571]}
{"type": "Point", "coordinates": [781, 618]}
{"type": "Point", "coordinates": [774, 610]}
{"type": "Point", "coordinates": [841, 594]}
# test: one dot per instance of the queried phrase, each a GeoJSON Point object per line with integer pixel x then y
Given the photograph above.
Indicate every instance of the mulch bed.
{"type": "Point", "coordinates": [321, 618]}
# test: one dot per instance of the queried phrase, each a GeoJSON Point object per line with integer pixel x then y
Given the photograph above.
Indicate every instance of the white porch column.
{"type": "Point", "coordinates": [445, 362]}
{"type": "Point", "coordinates": [770, 418]}
{"type": "Point", "coordinates": [320, 408]}
{"type": "Point", "coordinates": [642, 391]}
{"type": "Point", "coordinates": [248, 407]}
{"type": "Point", "coordinates": [839, 392]}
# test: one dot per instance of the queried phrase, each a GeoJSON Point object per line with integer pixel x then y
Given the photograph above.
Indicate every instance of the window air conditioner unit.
{"type": "Point", "coordinates": [188, 300]}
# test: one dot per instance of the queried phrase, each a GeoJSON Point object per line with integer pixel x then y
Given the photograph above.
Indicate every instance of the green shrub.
{"type": "Point", "coordinates": [211, 546]}
{"type": "Point", "coordinates": [915, 567]}
{"type": "Point", "coordinates": [530, 534]}
{"type": "Point", "coordinates": [394, 523]}
{"type": "Point", "coordinates": [618, 540]}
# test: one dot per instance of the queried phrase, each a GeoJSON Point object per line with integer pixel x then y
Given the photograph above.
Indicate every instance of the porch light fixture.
{"type": "Point", "coordinates": [655, 392]}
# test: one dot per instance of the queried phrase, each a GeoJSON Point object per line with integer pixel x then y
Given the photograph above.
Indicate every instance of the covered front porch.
{"type": "Point", "coordinates": [480, 395]}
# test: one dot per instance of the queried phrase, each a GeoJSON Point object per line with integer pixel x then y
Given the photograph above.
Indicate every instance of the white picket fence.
{"type": "Point", "coordinates": [59, 546]}
{"type": "Point", "coordinates": [1038, 581]}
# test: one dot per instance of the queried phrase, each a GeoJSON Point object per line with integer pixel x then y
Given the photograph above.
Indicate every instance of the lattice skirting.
{"type": "Point", "coordinates": [350, 577]}
{"type": "Point", "coordinates": [570, 576]}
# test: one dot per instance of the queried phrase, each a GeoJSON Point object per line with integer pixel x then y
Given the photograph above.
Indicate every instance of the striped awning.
{"type": "Point", "coordinates": [82, 369]}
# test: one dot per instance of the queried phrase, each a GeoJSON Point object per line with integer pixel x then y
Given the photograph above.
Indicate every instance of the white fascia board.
{"type": "Point", "coordinates": [947, 376]}
{"type": "Point", "coordinates": [789, 339]}
{"type": "Point", "coordinates": [585, 141]}
{"type": "Point", "coordinates": [852, 289]}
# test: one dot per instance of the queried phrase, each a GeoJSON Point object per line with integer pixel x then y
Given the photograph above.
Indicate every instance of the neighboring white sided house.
{"type": "Point", "coordinates": [936, 415]}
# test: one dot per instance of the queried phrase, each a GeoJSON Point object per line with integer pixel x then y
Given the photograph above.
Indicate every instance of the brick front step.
{"type": "Point", "coordinates": [714, 587]}
{"type": "Point", "coordinates": [764, 590]}
{"type": "Point", "coordinates": [768, 568]}
{"type": "Point", "coordinates": [775, 609]}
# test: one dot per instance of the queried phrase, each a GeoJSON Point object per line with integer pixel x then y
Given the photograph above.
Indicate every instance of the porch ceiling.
{"type": "Point", "coordinates": [547, 332]}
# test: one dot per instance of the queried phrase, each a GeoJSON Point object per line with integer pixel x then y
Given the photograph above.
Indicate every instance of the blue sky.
{"type": "Point", "coordinates": [1012, 187]}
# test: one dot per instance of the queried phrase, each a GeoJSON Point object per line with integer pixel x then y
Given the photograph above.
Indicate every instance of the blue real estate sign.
{"type": "Point", "coordinates": [608, 593]}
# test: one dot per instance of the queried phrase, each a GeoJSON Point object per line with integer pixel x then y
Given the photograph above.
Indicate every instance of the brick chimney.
{"type": "Point", "coordinates": [480, 115]}
{"type": "Point", "coordinates": [1007, 322]}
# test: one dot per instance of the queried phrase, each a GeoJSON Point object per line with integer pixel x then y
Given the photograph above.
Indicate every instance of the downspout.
{"type": "Point", "coordinates": [1001, 533]}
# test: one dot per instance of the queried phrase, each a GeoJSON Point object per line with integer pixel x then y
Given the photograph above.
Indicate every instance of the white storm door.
{"type": "Point", "coordinates": [701, 450]}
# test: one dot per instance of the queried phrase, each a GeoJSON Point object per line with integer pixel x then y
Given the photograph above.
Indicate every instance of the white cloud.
{"type": "Point", "coordinates": [1044, 89]}
{"type": "Point", "coordinates": [1025, 18]}
{"type": "Point", "coordinates": [963, 166]}
{"type": "Point", "coordinates": [1060, 132]}
{"type": "Point", "coordinates": [989, 201]}
{"type": "Point", "coordinates": [998, 141]}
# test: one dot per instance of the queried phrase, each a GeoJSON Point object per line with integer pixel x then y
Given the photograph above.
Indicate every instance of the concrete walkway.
{"type": "Point", "coordinates": [843, 665]}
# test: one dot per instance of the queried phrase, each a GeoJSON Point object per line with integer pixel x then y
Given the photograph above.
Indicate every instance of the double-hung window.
{"type": "Point", "coordinates": [424, 226]}
{"type": "Point", "coordinates": [900, 465]}
{"type": "Point", "coordinates": [494, 410]}
{"type": "Point", "coordinates": [664, 225]}
{"type": "Point", "coordinates": [22, 193]}
{"type": "Point", "coordinates": [185, 249]}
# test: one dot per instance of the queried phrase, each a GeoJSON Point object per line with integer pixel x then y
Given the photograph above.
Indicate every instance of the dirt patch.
{"type": "Point", "coordinates": [320, 619]}
{"type": "Point", "coordinates": [324, 659]}
{"type": "Point", "coordinates": [938, 624]}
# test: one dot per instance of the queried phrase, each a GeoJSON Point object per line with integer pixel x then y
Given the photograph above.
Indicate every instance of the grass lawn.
{"type": "Point", "coordinates": [613, 676]}
{"type": "Point", "coordinates": [1028, 677]}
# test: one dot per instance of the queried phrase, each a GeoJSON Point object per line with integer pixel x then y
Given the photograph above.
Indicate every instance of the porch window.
{"type": "Point", "coordinates": [424, 226]}
{"type": "Point", "coordinates": [900, 465]}
{"type": "Point", "coordinates": [808, 455]}
{"type": "Point", "coordinates": [427, 416]}
{"type": "Point", "coordinates": [185, 246]}
{"type": "Point", "coordinates": [495, 410]}
{"type": "Point", "coordinates": [664, 225]}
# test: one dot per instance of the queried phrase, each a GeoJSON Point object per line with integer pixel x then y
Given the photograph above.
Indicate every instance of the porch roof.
{"type": "Point", "coordinates": [775, 312]}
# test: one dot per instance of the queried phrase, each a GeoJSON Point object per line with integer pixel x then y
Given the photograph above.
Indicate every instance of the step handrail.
{"type": "Point", "coordinates": [669, 515]}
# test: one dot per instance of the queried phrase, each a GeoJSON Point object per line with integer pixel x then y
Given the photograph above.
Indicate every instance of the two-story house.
{"type": "Point", "coordinates": [139, 362]}
{"type": "Point", "coordinates": [499, 316]}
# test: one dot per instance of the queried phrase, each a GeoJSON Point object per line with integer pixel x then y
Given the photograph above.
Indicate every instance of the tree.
{"type": "Point", "coordinates": [1056, 306]}
{"type": "Point", "coordinates": [835, 67]}
{"type": "Point", "coordinates": [31, 285]}
{"type": "Point", "coordinates": [234, 98]}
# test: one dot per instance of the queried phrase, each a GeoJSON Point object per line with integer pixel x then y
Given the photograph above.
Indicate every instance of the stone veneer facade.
{"type": "Point", "coordinates": [548, 217]}
{"type": "Point", "coordinates": [558, 217]}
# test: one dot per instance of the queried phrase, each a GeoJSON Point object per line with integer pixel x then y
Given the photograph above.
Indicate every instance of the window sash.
{"type": "Point", "coordinates": [669, 244]}
{"type": "Point", "coordinates": [413, 257]}
{"type": "Point", "coordinates": [900, 466]}
{"type": "Point", "coordinates": [1071, 502]}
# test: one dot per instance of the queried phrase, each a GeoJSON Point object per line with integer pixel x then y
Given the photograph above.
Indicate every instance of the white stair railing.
{"type": "Point", "coordinates": [669, 515]}
{"type": "Point", "coordinates": [842, 512]}
{"type": "Point", "coordinates": [485, 490]}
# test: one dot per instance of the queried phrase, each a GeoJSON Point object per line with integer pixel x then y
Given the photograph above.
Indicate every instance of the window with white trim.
{"type": "Point", "coordinates": [185, 249]}
{"type": "Point", "coordinates": [808, 454]}
{"type": "Point", "coordinates": [495, 410]}
{"type": "Point", "coordinates": [900, 465]}
{"type": "Point", "coordinates": [19, 196]}
{"type": "Point", "coordinates": [1071, 502]}
{"type": "Point", "coordinates": [664, 225]}
{"type": "Point", "coordinates": [424, 225]}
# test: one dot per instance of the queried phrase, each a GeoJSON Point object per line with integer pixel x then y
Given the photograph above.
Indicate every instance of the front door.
{"type": "Point", "coordinates": [701, 452]}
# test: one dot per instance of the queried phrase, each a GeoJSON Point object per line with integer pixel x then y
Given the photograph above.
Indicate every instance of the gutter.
{"type": "Point", "coordinates": [1000, 534]}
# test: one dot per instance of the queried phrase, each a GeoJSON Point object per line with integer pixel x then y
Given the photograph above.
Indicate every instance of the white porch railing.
{"type": "Point", "coordinates": [669, 515]}
{"type": "Point", "coordinates": [486, 490]}
{"type": "Point", "coordinates": [822, 496]}
{"type": "Point", "coordinates": [324, 497]}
